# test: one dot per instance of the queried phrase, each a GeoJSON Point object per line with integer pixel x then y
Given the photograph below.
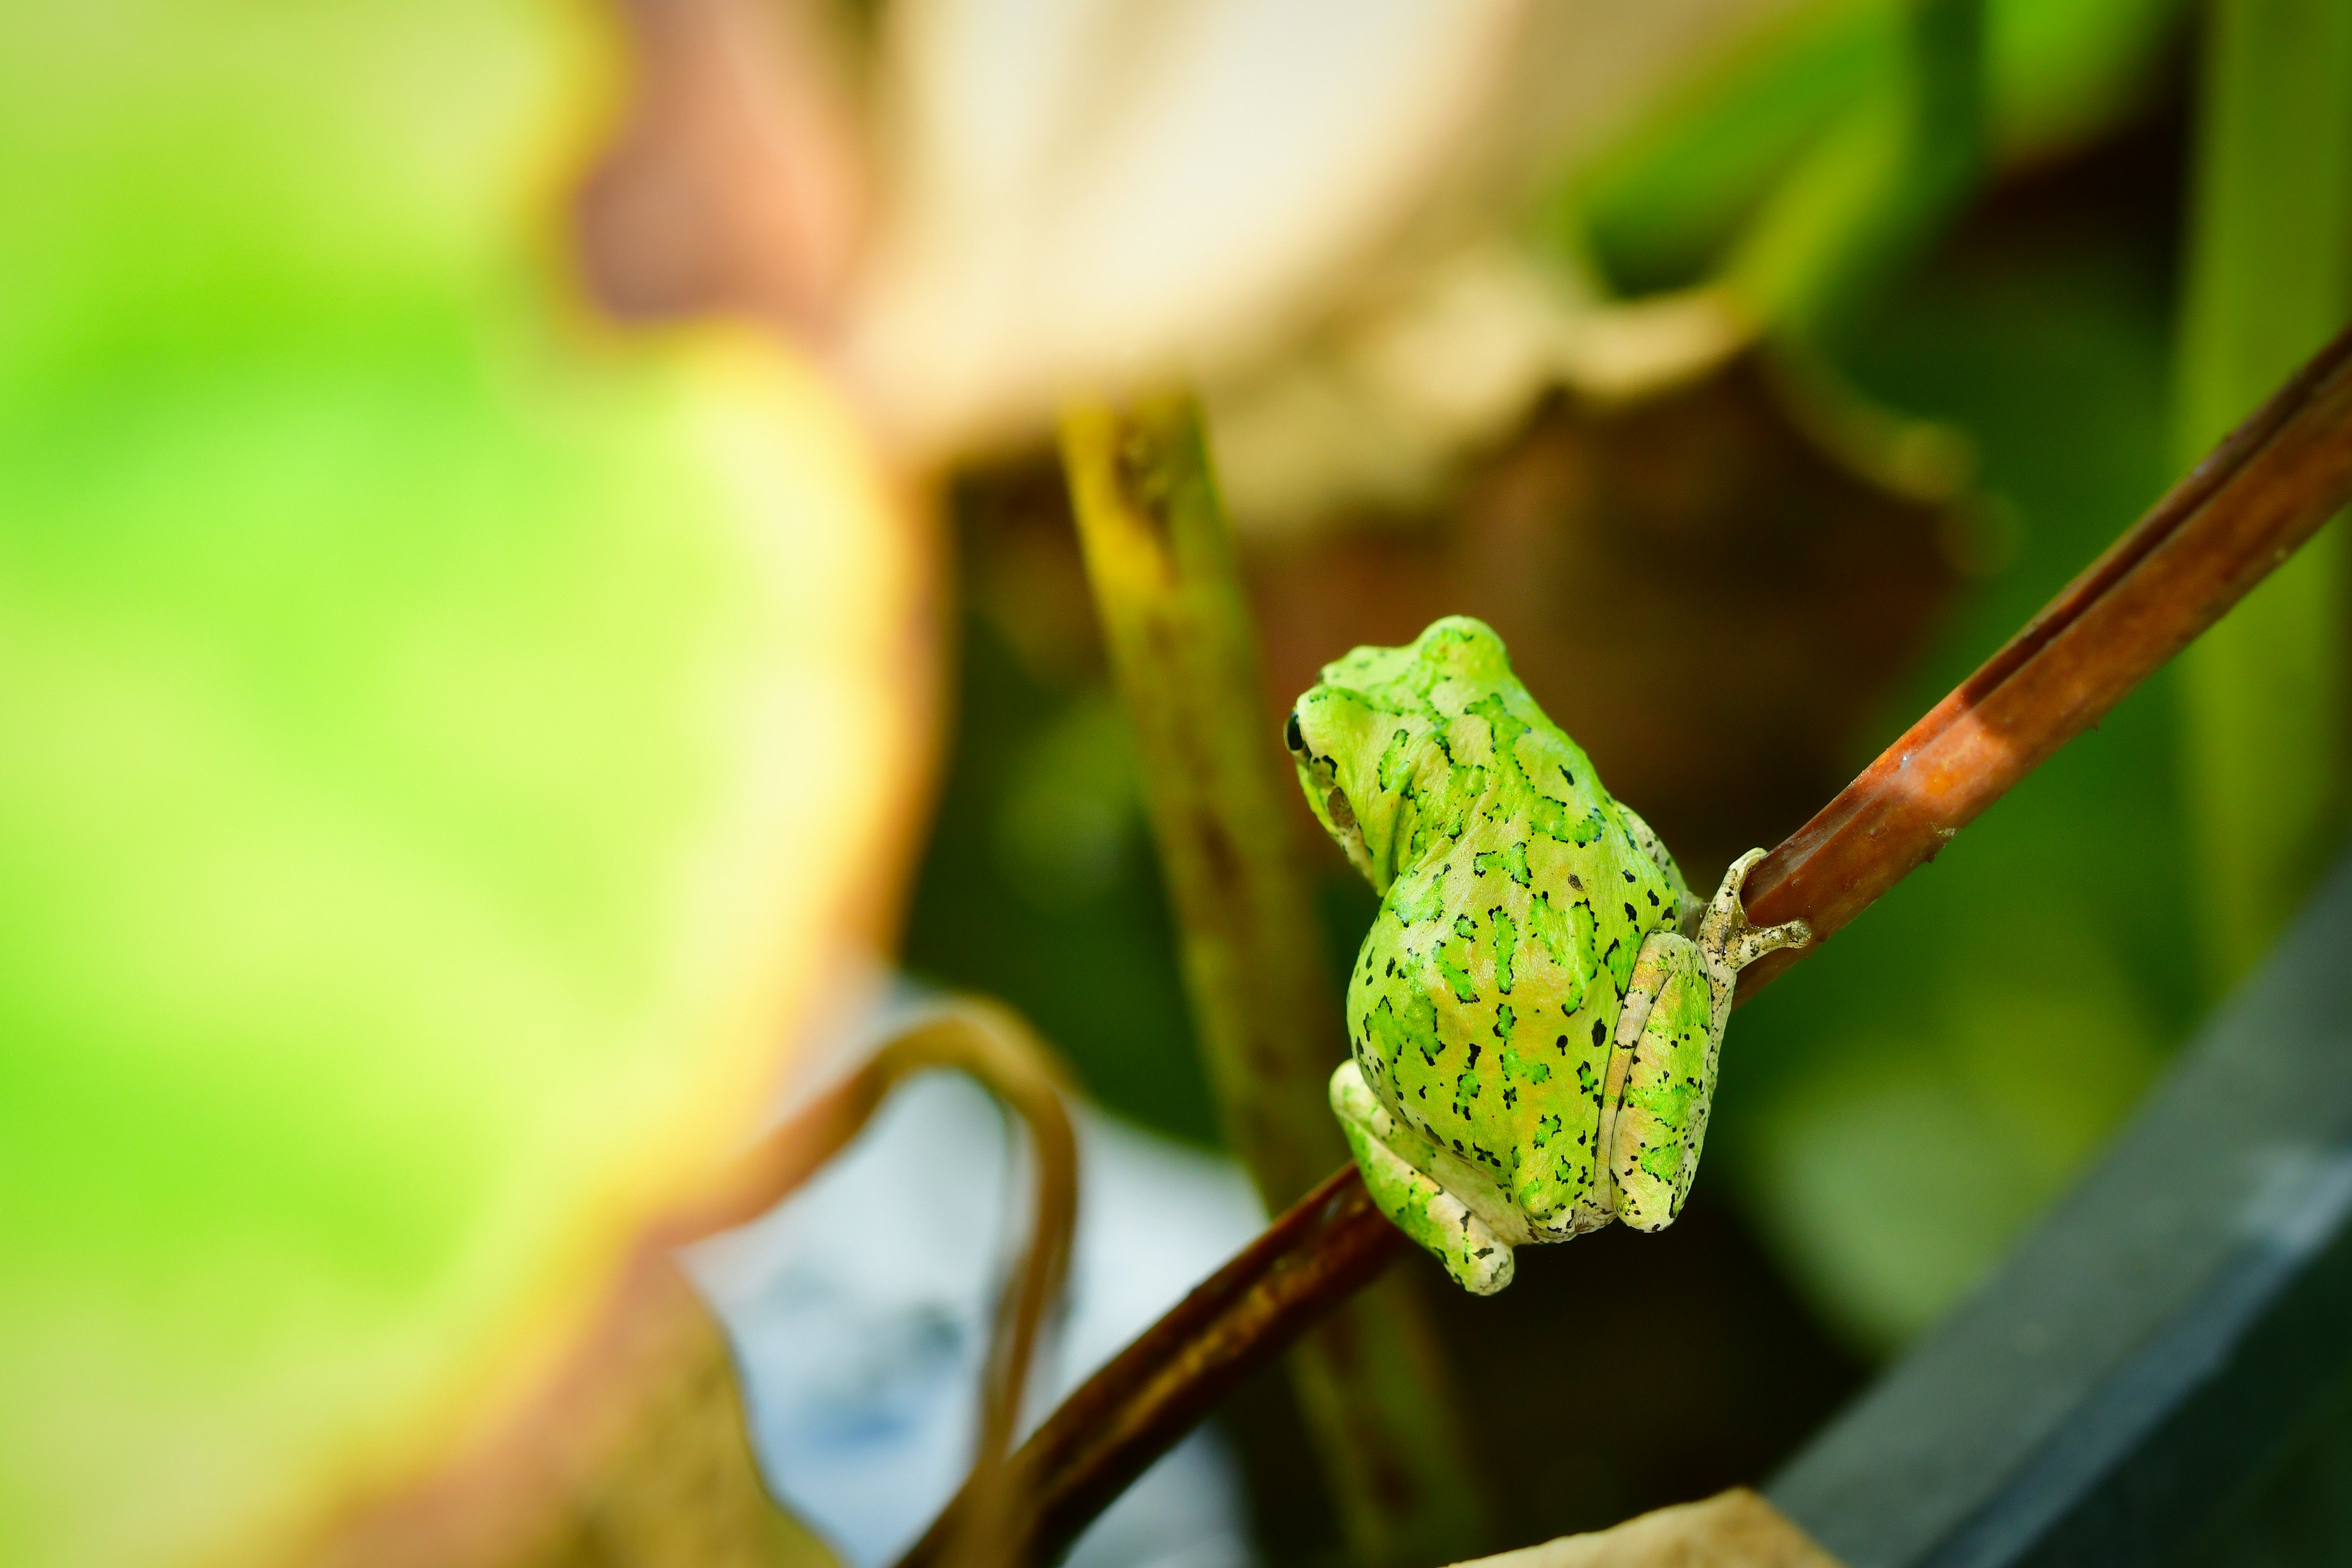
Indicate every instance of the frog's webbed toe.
{"type": "Point", "coordinates": [1727, 938]}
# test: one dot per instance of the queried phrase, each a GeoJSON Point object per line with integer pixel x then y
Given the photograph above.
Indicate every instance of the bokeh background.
{"type": "Point", "coordinates": [532, 566]}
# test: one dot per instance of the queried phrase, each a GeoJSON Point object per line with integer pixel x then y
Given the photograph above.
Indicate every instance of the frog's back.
{"type": "Point", "coordinates": [1483, 1001]}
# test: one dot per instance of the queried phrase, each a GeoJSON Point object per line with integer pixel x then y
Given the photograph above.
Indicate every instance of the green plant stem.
{"type": "Point", "coordinates": [1159, 554]}
{"type": "Point", "coordinates": [2265, 694]}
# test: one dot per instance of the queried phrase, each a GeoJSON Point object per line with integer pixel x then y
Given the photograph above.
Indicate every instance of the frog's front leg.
{"type": "Point", "coordinates": [1669, 1042]}
{"type": "Point", "coordinates": [1479, 1260]}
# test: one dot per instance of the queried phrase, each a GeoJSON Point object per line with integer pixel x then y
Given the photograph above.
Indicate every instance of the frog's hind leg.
{"type": "Point", "coordinates": [1669, 1043]}
{"type": "Point", "coordinates": [1661, 1081]}
{"type": "Point", "coordinates": [1479, 1261]}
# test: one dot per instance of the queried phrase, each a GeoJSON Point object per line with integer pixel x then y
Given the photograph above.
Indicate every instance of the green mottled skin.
{"type": "Point", "coordinates": [1491, 1099]}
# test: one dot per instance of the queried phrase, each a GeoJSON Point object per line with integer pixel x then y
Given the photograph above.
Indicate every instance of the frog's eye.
{"type": "Point", "coordinates": [1296, 741]}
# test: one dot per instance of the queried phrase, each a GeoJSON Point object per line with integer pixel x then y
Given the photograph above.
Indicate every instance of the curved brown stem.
{"type": "Point", "coordinates": [1330, 1245]}
{"type": "Point", "coordinates": [996, 1047]}
{"type": "Point", "coordinates": [2242, 512]}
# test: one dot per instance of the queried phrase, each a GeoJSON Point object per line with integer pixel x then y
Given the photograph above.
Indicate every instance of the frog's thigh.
{"type": "Point", "coordinates": [1669, 1082]}
{"type": "Point", "coordinates": [1479, 1261]}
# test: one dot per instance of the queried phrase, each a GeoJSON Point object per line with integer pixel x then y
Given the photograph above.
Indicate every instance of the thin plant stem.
{"type": "Point", "coordinates": [1328, 1246]}
{"type": "Point", "coordinates": [1160, 556]}
{"type": "Point", "coordinates": [2235, 519]}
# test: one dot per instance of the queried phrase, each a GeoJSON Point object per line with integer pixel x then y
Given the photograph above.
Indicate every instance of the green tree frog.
{"type": "Point", "coordinates": [1535, 1015]}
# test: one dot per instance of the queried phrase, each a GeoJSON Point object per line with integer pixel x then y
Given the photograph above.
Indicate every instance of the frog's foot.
{"type": "Point", "coordinates": [1725, 935]}
{"type": "Point", "coordinates": [1479, 1260]}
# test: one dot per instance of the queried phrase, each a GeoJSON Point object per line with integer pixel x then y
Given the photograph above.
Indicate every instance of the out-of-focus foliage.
{"type": "Point", "coordinates": [1897, 1107]}
{"type": "Point", "coordinates": [1018, 201]}
{"type": "Point", "coordinates": [442, 742]}
{"type": "Point", "coordinates": [1772, 173]}
{"type": "Point", "coordinates": [2267, 694]}
{"type": "Point", "coordinates": [1901, 1104]}
{"type": "Point", "coordinates": [440, 750]}
{"type": "Point", "coordinates": [1669, 199]}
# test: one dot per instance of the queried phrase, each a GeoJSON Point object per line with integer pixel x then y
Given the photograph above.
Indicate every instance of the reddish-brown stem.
{"type": "Point", "coordinates": [2257, 496]}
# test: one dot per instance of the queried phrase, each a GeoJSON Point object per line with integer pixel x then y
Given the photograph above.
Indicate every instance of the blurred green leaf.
{"type": "Point", "coordinates": [2267, 694]}
{"type": "Point", "coordinates": [1879, 185]}
{"type": "Point", "coordinates": [1664, 205]}
{"type": "Point", "coordinates": [1825, 91]}
{"type": "Point", "coordinates": [391, 818]}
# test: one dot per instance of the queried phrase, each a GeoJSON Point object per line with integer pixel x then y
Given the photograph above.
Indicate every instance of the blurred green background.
{"type": "Point", "coordinates": [377, 639]}
{"type": "Point", "coordinates": [265, 264]}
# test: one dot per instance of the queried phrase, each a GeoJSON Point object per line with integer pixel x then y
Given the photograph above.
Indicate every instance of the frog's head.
{"type": "Point", "coordinates": [1330, 732]}
{"type": "Point", "coordinates": [1357, 736]}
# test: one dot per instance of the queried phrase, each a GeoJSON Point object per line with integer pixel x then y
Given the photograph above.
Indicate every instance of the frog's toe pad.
{"type": "Point", "coordinates": [1725, 929]}
{"type": "Point", "coordinates": [1482, 1262]}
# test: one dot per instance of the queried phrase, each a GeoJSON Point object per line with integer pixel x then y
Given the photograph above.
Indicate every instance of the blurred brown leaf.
{"type": "Point", "coordinates": [737, 180]}
{"type": "Point", "coordinates": [639, 1455]}
{"type": "Point", "coordinates": [1735, 1528]}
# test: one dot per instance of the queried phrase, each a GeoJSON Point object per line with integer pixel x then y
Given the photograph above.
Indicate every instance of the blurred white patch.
{"type": "Point", "coordinates": [1378, 413]}
{"type": "Point", "coordinates": [1094, 196]}
{"type": "Point", "coordinates": [1093, 191]}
